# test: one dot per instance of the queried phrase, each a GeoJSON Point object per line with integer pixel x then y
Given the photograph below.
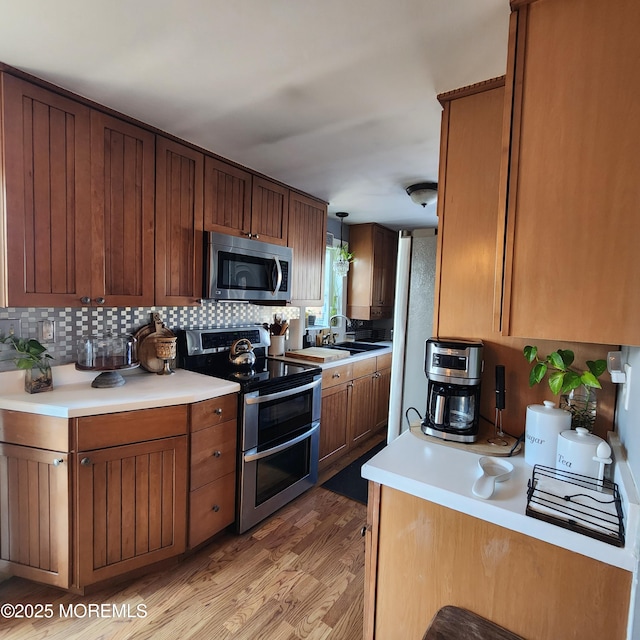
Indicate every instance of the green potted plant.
{"type": "Point", "coordinates": [576, 388]}
{"type": "Point", "coordinates": [31, 356]}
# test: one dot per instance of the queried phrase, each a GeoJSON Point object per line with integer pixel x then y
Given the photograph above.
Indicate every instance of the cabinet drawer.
{"type": "Point", "coordinates": [212, 508]}
{"type": "Point", "coordinates": [215, 411]}
{"type": "Point", "coordinates": [33, 430]}
{"type": "Point", "coordinates": [213, 453]}
{"type": "Point", "coordinates": [336, 375]}
{"type": "Point", "coordinates": [383, 361]}
{"type": "Point", "coordinates": [364, 367]}
{"type": "Point", "coordinates": [128, 427]}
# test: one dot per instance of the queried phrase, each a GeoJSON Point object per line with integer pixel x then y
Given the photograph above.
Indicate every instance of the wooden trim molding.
{"type": "Point", "coordinates": [469, 90]}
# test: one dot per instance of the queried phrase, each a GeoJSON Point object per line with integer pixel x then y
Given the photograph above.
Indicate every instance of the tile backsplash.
{"type": "Point", "coordinates": [72, 323]}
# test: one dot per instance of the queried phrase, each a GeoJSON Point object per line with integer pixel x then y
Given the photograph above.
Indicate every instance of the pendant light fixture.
{"type": "Point", "coordinates": [341, 264]}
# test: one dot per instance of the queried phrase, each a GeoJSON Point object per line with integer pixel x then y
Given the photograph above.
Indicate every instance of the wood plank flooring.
{"type": "Point", "coordinates": [299, 574]}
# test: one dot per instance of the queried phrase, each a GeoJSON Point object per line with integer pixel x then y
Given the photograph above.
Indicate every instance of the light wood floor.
{"type": "Point", "coordinates": [300, 574]}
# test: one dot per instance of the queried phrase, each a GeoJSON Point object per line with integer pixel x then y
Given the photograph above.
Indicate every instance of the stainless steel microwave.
{"type": "Point", "coordinates": [244, 269]}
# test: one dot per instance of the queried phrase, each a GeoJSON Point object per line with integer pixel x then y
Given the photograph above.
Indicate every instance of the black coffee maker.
{"type": "Point", "coordinates": [454, 369]}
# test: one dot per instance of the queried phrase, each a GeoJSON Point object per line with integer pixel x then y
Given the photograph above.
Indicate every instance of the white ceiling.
{"type": "Point", "coordinates": [334, 97]}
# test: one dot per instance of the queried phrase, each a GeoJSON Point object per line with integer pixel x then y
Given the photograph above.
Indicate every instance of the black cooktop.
{"type": "Point", "coordinates": [206, 351]}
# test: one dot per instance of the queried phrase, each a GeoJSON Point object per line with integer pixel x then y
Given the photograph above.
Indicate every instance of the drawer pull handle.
{"type": "Point", "coordinates": [215, 508]}
{"type": "Point", "coordinates": [100, 301]}
{"type": "Point", "coordinates": [335, 375]}
{"type": "Point", "coordinates": [57, 462]}
{"type": "Point", "coordinates": [85, 462]}
{"type": "Point", "coordinates": [217, 454]}
{"type": "Point", "coordinates": [85, 300]}
{"type": "Point", "coordinates": [218, 411]}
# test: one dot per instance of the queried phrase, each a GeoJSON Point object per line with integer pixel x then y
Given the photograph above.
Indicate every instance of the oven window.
{"type": "Point", "coordinates": [277, 472]}
{"type": "Point", "coordinates": [278, 419]}
{"type": "Point", "coordinates": [249, 273]}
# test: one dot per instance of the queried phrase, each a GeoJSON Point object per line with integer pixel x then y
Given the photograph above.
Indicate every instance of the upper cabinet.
{"type": "Point", "coordinates": [46, 156]}
{"type": "Point", "coordinates": [570, 187]}
{"type": "Point", "coordinates": [179, 223]}
{"type": "Point", "coordinates": [307, 233]}
{"type": "Point", "coordinates": [239, 203]}
{"type": "Point", "coordinates": [372, 276]}
{"type": "Point", "coordinates": [123, 211]}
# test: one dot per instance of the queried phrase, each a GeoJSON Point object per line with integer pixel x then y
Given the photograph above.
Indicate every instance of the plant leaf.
{"type": "Point", "coordinates": [597, 367]}
{"type": "Point", "coordinates": [571, 381]}
{"type": "Point", "coordinates": [530, 353]}
{"type": "Point", "coordinates": [567, 357]}
{"type": "Point", "coordinates": [556, 361]}
{"type": "Point", "coordinates": [555, 381]}
{"type": "Point", "coordinates": [589, 380]}
{"type": "Point", "coordinates": [537, 373]}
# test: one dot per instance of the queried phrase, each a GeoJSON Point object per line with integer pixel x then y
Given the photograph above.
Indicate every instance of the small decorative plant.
{"type": "Point", "coordinates": [345, 254]}
{"type": "Point", "coordinates": [566, 380]}
{"type": "Point", "coordinates": [29, 355]}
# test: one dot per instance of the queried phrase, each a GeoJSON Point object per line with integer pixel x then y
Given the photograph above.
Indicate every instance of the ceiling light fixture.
{"type": "Point", "coordinates": [423, 193]}
{"type": "Point", "coordinates": [341, 263]}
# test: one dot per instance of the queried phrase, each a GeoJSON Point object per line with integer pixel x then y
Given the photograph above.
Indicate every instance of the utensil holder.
{"type": "Point", "coordinates": [276, 348]}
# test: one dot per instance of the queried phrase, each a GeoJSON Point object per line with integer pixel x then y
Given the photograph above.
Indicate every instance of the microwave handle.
{"type": "Point", "coordinates": [279, 276]}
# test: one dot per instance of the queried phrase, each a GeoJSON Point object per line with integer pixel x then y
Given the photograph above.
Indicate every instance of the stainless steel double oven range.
{"type": "Point", "coordinates": [278, 418]}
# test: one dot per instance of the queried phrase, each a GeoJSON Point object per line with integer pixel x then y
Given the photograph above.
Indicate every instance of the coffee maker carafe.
{"type": "Point", "coordinates": [453, 368]}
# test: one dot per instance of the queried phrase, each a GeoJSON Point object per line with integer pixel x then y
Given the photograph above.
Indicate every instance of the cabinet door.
{"type": "Point", "coordinates": [227, 198]}
{"type": "Point", "coordinates": [307, 237]}
{"type": "Point", "coordinates": [571, 259]}
{"type": "Point", "coordinates": [179, 224]}
{"type": "Point", "coordinates": [362, 409]}
{"type": "Point", "coordinates": [131, 507]}
{"type": "Point", "coordinates": [122, 205]}
{"type": "Point", "coordinates": [46, 177]}
{"type": "Point", "coordinates": [269, 211]}
{"type": "Point", "coordinates": [384, 267]}
{"type": "Point", "coordinates": [334, 423]}
{"type": "Point", "coordinates": [34, 514]}
{"type": "Point", "coordinates": [381, 389]}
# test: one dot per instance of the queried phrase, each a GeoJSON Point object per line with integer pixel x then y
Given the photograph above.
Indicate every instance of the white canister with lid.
{"type": "Point", "coordinates": [543, 425]}
{"type": "Point", "coordinates": [582, 452]}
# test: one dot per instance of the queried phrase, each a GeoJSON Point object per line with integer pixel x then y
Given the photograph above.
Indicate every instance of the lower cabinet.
{"type": "Point", "coordinates": [421, 556]}
{"type": "Point", "coordinates": [130, 507]}
{"type": "Point", "coordinates": [212, 495]}
{"type": "Point", "coordinates": [34, 514]}
{"type": "Point", "coordinates": [355, 404]}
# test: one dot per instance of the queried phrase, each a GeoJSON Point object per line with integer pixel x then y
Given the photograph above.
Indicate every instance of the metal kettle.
{"type": "Point", "coordinates": [241, 353]}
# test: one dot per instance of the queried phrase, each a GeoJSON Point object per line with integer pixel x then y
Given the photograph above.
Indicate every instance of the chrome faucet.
{"type": "Point", "coordinates": [347, 327]}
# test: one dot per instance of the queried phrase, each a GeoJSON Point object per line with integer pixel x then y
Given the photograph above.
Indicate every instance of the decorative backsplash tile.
{"type": "Point", "coordinates": [72, 323]}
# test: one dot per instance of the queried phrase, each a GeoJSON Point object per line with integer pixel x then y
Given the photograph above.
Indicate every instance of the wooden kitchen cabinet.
{"type": "Point", "coordinates": [131, 488]}
{"type": "Point", "coordinates": [122, 209]}
{"type": "Point", "coordinates": [306, 236]}
{"type": "Point", "coordinates": [421, 556]}
{"type": "Point", "coordinates": [355, 404]}
{"type": "Point", "coordinates": [213, 460]}
{"type": "Point", "coordinates": [45, 164]}
{"type": "Point", "coordinates": [179, 224]}
{"type": "Point", "coordinates": [269, 211]}
{"type": "Point", "coordinates": [35, 514]}
{"type": "Point", "coordinates": [371, 279]}
{"type": "Point", "coordinates": [569, 228]}
{"type": "Point", "coordinates": [227, 198]}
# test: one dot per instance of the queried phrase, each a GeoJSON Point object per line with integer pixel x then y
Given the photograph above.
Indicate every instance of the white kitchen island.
{"type": "Point", "coordinates": [432, 543]}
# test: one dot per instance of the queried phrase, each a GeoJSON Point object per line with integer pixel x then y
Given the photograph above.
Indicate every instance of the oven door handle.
{"type": "Point", "coordinates": [252, 457]}
{"type": "Point", "coordinates": [283, 394]}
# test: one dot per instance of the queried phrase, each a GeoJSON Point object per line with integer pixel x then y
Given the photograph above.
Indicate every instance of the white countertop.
{"type": "Point", "coordinates": [73, 396]}
{"type": "Point", "coordinates": [445, 475]}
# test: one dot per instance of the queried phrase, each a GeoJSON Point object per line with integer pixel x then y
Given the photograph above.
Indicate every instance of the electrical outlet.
{"type": "Point", "coordinates": [10, 327]}
{"type": "Point", "coordinates": [46, 330]}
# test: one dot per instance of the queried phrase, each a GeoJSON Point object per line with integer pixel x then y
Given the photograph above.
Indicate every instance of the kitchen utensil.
{"type": "Point", "coordinates": [241, 353]}
{"type": "Point", "coordinates": [166, 351]}
{"type": "Point", "coordinates": [543, 424]}
{"type": "Point", "coordinates": [493, 470]}
{"type": "Point", "coordinates": [578, 452]}
{"type": "Point", "coordinates": [146, 344]}
{"type": "Point", "coordinates": [283, 328]}
{"type": "Point", "coordinates": [498, 439]}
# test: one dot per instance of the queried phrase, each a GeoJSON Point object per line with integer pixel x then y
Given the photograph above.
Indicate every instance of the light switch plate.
{"type": "Point", "coordinates": [46, 330]}
{"type": "Point", "coordinates": [10, 327]}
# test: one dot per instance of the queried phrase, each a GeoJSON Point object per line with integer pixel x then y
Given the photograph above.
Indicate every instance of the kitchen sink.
{"type": "Point", "coordinates": [356, 347]}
